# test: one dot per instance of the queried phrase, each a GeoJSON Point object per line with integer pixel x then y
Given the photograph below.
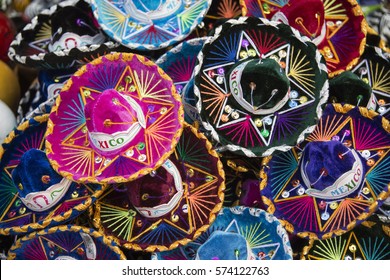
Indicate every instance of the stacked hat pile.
{"type": "Point", "coordinates": [196, 129]}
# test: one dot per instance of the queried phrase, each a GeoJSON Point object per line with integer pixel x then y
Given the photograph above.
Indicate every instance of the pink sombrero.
{"type": "Point", "coordinates": [117, 118]}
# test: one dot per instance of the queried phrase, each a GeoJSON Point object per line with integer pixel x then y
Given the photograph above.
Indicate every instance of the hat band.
{"type": "Point", "coordinates": [161, 210]}
{"type": "Point", "coordinates": [43, 200]}
{"type": "Point", "coordinates": [111, 142]}
{"type": "Point", "coordinates": [348, 183]}
{"type": "Point", "coordinates": [71, 40]}
{"type": "Point", "coordinates": [238, 94]}
{"type": "Point", "coordinates": [90, 246]}
{"type": "Point", "coordinates": [164, 10]}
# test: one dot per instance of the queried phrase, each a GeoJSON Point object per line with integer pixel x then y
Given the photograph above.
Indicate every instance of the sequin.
{"type": "Point", "coordinates": [75, 194]}
{"type": "Point", "coordinates": [22, 210]}
{"type": "Point", "coordinates": [128, 79]}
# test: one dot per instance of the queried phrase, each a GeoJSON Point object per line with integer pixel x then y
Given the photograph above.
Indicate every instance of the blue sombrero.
{"type": "Point", "coordinates": [149, 25]}
{"type": "Point", "coordinates": [33, 195]}
{"type": "Point", "coordinates": [238, 233]}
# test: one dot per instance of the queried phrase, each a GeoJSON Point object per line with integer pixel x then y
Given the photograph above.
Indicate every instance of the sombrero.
{"type": "Point", "coordinates": [149, 25]}
{"type": "Point", "coordinates": [334, 180]}
{"type": "Point", "coordinates": [169, 207]}
{"type": "Point", "coordinates": [260, 86]}
{"type": "Point", "coordinates": [61, 37]}
{"type": "Point", "coordinates": [368, 241]}
{"type": "Point", "coordinates": [117, 118]}
{"type": "Point", "coordinates": [66, 242]}
{"type": "Point", "coordinates": [374, 69]}
{"type": "Point", "coordinates": [238, 233]}
{"type": "Point", "coordinates": [337, 27]}
{"type": "Point", "coordinates": [179, 63]}
{"type": "Point", "coordinates": [33, 195]}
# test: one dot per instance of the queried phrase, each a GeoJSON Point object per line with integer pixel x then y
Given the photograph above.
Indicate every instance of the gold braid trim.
{"type": "Point", "coordinates": [72, 228]}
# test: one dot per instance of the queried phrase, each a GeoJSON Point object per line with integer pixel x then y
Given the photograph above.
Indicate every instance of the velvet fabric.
{"type": "Point", "coordinates": [110, 113]}
{"type": "Point", "coordinates": [307, 16]}
{"type": "Point", "coordinates": [224, 246]}
{"type": "Point", "coordinates": [237, 233]}
{"type": "Point", "coordinates": [349, 88]}
{"type": "Point", "coordinates": [263, 82]}
{"type": "Point", "coordinates": [323, 162]}
{"type": "Point", "coordinates": [152, 189]}
{"type": "Point", "coordinates": [34, 173]}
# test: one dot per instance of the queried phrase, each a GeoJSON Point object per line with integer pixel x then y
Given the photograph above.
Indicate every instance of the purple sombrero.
{"type": "Point", "coordinates": [116, 119]}
{"type": "Point", "coordinates": [61, 37]}
{"type": "Point", "coordinates": [66, 242]}
{"type": "Point", "coordinates": [335, 179]}
{"type": "Point", "coordinates": [259, 86]}
{"type": "Point", "coordinates": [33, 195]}
{"type": "Point", "coordinates": [337, 27]}
{"type": "Point", "coordinates": [172, 205]}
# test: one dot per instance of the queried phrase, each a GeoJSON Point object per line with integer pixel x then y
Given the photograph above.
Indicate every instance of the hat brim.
{"type": "Point", "coordinates": [203, 183]}
{"type": "Point", "coordinates": [67, 141]}
{"type": "Point", "coordinates": [320, 218]}
{"type": "Point", "coordinates": [76, 242]}
{"type": "Point", "coordinates": [179, 63]}
{"type": "Point", "coordinates": [374, 68]}
{"type": "Point", "coordinates": [30, 46]}
{"type": "Point", "coordinates": [146, 29]}
{"type": "Point", "coordinates": [368, 241]}
{"type": "Point", "coordinates": [304, 68]}
{"type": "Point", "coordinates": [15, 217]}
{"type": "Point", "coordinates": [265, 235]}
{"type": "Point", "coordinates": [345, 37]}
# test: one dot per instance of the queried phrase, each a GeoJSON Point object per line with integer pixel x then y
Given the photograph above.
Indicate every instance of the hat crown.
{"type": "Point", "coordinates": [156, 194]}
{"type": "Point", "coordinates": [73, 27]}
{"type": "Point", "coordinates": [347, 87]}
{"type": "Point", "coordinates": [307, 16]}
{"type": "Point", "coordinates": [259, 85]}
{"type": "Point", "coordinates": [113, 120]}
{"type": "Point", "coordinates": [40, 187]}
{"type": "Point", "coordinates": [223, 245]}
{"type": "Point", "coordinates": [330, 169]}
